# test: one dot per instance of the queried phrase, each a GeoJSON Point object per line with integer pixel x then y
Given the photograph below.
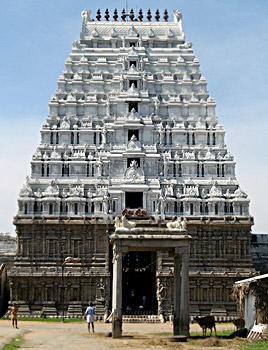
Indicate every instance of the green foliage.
{"type": "Point", "coordinates": [15, 344]}
{"type": "Point", "coordinates": [224, 333]}
{"type": "Point", "coordinates": [42, 314]}
{"type": "Point", "coordinates": [256, 345]}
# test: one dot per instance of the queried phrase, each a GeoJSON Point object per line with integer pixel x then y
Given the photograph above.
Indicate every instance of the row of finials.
{"type": "Point", "coordinates": [131, 15]}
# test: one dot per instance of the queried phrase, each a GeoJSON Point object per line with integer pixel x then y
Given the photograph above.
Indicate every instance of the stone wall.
{"type": "Point", "coordinates": [8, 247]}
{"type": "Point", "coordinates": [259, 251]}
{"type": "Point", "coordinates": [220, 255]}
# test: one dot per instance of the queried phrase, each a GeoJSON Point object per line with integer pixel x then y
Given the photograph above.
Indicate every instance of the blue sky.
{"type": "Point", "coordinates": [230, 39]}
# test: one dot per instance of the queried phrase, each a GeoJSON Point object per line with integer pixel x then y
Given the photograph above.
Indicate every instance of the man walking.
{"type": "Point", "coordinates": [14, 316]}
{"type": "Point", "coordinates": [90, 311]}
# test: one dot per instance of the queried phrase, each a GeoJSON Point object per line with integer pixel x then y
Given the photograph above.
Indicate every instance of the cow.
{"type": "Point", "coordinates": [239, 323]}
{"type": "Point", "coordinates": [206, 322]}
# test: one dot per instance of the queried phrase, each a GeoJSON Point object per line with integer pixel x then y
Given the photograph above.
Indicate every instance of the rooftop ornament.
{"type": "Point", "coordinates": [131, 15]}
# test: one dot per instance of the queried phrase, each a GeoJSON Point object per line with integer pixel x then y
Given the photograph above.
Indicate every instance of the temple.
{"type": "Point", "coordinates": [131, 136]}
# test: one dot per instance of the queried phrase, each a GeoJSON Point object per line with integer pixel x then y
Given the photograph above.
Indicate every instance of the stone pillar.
{"type": "Point", "coordinates": [184, 311]}
{"type": "Point", "coordinates": [117, 291]}
{"type": "Point", "coordinates": [177, 295]}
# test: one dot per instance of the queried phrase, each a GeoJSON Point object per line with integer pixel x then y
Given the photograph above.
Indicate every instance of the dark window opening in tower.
{"type": "Point", "coordinates": [216, 209]}
{"type": "Point", "coordinates": [134, 200]}
{"type": "Point", "coordinates": [134, 132]}
{"type": "Point", "coordinates": [50, 209]}
{"type": "Point", "coordinates": [208, 139]}
{"type": "Point", "coordinates": [129, 160]}
{"type": "Point", "coordinates": [134, 63]}
{"type": "Point", "coordinates": [132, 105]}
{"type": "Point", "coordinates": [191, 209]}
{"type": "Point", "coordinates": [202, 170]}
{"type": "Point", "coordinates": [135, 82]}
{"type": "Point", "coordinates": [214, 138]}
{"type": "Point", "coordinates": [188, 138]}
{"type": "Point", "coordinates": [180, 170]}
{"type": "Point", "coordinates": [35, 207]}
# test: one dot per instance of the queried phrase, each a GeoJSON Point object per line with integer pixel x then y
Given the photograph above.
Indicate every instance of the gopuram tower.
{"type": "Point", "coordinates": [132, 131]}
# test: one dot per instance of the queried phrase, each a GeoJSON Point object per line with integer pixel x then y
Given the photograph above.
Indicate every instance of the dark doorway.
{"type": "Point", "coordinates": [134, 200]}
{"type": "Point", "coordinates": [133, 82]}
{"type": "Point", "coordinates": [129, 160]}
{"type": "Point", "coordinates": [139, 283]}
{"type": "Point", "coordinates": [132, 105]}
{"type": "Point", "coordinates": [132, 132]}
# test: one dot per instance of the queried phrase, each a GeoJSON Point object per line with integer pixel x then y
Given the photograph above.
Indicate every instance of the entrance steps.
{"type": "Point", "coordinates": [141, 319]}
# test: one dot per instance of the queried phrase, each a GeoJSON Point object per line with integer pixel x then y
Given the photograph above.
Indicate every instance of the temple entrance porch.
{"type": "Point", "coordinates": [176, 242]}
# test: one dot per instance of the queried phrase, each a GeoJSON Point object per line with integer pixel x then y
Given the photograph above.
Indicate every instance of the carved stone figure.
{"type": "Point", "coordinates": [108, 108]}
{"type": "Point", "coordinates": [156, 105]}
{"type": "Point", "coordinates": [134, 173]}
{"type": "Point", "coordinates": [177, 15]}
{"type": "Point", "coordinates": [162, 132]}
{"type": "Point", "coordinates": [86, 15]}
{"type": "Point", "coordinates": [55, 155]}
{"type": "Point", "coordinates": [37, 155]}
{"type": "Point", "coordinates": [215, 190]}
{"type": "Point", "coordinates": [175, 224]}
{"type": "Point", "coordinates": [103, 135]}
{"type": "Point", "coordinates": [238, 193]}
{"type": "Point", "coordinates": [144, 81]}
{"type": "Point", "coordinates": [117, 222]}
{"type": "Point", "coordinates": [98, 167]}
{"type": "Point", "coordinates": [102, 289]}
{"type": "Point", "coordinates": [126, 223]}
{"type": "Point", "coordinates": [51, 190]}
{"type": "Point", "coordinates": [169, 191]}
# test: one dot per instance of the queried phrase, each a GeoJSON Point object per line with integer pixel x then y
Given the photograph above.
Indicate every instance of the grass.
{"type": "Point", "coordinates": [15, 344]}
{"type": "Point", "coordinates": [224, 333]}
{"type": "Point", "coordinates": [256, 345]}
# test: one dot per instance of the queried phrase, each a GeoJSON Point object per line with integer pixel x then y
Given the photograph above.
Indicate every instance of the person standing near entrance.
{"type": "Point", "coordinates": [90, 312]}
{"type": "Point", "coordinates": [14, 317]}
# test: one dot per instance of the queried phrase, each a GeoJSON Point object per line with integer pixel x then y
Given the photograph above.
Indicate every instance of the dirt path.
{"type": "Point", "coordinates": [72, 336]}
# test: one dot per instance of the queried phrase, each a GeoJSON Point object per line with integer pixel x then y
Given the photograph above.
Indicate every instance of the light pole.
{"type": "Point", "coordinates": [66, 260]}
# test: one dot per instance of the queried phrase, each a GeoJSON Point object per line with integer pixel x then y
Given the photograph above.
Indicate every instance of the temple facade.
{"type": "Point", "coordinates": [131, 131]}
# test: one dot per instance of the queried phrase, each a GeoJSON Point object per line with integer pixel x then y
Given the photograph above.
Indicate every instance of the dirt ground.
{"type": "Point", "coordinates": [136, 336]}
